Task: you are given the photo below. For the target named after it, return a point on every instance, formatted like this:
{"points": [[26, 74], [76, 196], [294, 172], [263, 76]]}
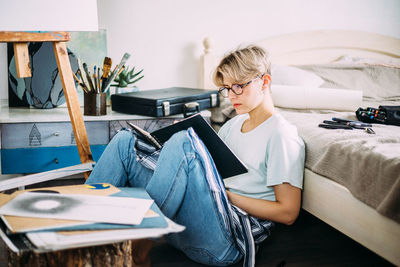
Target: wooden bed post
{"points": [[20, 40], [207, 63]]}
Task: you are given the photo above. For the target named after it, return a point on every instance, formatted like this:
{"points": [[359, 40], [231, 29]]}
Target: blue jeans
{"points": [[179, 187]]}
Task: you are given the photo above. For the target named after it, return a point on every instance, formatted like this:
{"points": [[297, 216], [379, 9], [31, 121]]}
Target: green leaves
{"points": [[127, 77]]}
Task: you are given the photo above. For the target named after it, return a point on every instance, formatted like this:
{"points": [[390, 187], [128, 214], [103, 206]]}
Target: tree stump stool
{"points": [[117, 254]]}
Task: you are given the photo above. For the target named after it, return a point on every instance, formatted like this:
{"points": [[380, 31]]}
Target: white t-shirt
{"points": [[273, 152]]}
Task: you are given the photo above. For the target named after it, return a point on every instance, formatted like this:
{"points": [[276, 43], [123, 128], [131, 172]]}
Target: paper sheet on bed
{"points": [[301, 97], [120, 210]]}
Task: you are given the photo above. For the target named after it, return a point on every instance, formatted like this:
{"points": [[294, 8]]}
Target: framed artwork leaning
{"points": [[44, 89]]}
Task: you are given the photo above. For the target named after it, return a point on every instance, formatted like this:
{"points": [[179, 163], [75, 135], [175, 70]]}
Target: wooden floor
{"points": [[308, 242]]}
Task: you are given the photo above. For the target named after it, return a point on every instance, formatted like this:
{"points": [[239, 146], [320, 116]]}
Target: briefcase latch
{"points": [[213, 100], [190, 109], [166, 108]]}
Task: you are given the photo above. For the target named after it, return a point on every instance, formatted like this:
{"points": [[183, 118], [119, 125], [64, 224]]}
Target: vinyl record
{"points": [[46, 204]]}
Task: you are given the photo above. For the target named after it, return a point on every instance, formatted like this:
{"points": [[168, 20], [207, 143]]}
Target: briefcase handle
{"points": [[190, 108]]}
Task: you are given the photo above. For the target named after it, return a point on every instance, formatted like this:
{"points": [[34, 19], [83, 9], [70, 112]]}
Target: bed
{"points": [[360, 195]]}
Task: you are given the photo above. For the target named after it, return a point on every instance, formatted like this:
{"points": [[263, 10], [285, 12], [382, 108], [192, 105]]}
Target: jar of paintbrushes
{"points": [[95, 85]]}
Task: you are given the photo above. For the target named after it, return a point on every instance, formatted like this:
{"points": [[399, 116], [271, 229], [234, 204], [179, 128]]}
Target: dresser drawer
{"points": [[40, 159], [50, 134]]}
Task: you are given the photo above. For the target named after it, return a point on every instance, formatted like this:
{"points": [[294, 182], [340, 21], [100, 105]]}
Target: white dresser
{"points": [[36, 140]]}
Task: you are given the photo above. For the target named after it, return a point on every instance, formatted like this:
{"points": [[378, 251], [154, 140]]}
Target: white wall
{"points": [[165, 37]]}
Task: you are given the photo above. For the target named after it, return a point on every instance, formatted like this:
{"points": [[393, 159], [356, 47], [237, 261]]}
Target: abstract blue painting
{"points": [[44, 88]]}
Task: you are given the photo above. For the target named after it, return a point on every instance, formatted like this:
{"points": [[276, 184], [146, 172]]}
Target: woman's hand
{"points": [[284, 210]]}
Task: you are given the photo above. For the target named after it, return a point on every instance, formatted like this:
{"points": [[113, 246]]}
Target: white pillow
{"points": [[303, 97], [346, 59], [288, 75]]}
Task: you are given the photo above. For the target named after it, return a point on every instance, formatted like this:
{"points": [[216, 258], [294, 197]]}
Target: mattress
{"points": [[367, 164]]}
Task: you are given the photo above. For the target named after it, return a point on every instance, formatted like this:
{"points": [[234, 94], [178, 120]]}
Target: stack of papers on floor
{"points": [[64, 217]]}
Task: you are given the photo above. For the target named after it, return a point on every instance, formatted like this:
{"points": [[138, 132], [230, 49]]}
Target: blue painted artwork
{"points": [[44, 89]]}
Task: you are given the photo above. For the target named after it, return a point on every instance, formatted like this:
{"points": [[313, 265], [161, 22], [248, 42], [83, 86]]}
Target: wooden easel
{"points": [[20, 42], [117, 254]]}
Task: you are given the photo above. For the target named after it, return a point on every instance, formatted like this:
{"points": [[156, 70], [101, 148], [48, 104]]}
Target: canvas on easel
{"points": [[44, 89], [20, 42]]}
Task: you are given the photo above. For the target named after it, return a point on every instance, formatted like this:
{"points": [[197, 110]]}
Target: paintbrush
{"points": [[120, 70], [95, 83], [80, 72], [83, 81], [115, 72], [85, 68], [76, 78], [98, 80], [112, 74], [106, 70], [95, 79], [79, 82]]}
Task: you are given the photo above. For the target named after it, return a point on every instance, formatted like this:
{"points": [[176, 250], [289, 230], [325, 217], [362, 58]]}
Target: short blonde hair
{"points": [[242, 65]]}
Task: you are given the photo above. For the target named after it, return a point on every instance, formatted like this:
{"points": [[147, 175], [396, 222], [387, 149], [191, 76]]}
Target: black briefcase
{"points": [[165, 102]]}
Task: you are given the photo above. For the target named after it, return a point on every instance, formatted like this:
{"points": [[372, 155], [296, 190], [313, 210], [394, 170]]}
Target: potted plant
{"points": [[125, 81]]}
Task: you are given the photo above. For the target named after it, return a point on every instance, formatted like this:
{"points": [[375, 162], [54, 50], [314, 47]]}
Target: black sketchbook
{"points": [[227, 163]]}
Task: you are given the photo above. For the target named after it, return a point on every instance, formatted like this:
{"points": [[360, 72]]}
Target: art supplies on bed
{"points": [[333, 125], [352, 123], [338, 123], [165, 102], [383, 114], [303, 97], [227, 163], [366, 116]]}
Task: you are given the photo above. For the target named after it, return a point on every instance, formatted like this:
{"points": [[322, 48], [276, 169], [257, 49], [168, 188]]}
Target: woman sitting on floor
{"points": [[224, 220]]}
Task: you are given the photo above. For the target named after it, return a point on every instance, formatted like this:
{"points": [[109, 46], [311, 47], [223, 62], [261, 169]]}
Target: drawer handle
{"points": [[56, 160], [56, 134]]}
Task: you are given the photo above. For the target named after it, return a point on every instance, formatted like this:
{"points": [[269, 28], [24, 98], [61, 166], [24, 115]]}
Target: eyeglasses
{"points": [[237, 89]]}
